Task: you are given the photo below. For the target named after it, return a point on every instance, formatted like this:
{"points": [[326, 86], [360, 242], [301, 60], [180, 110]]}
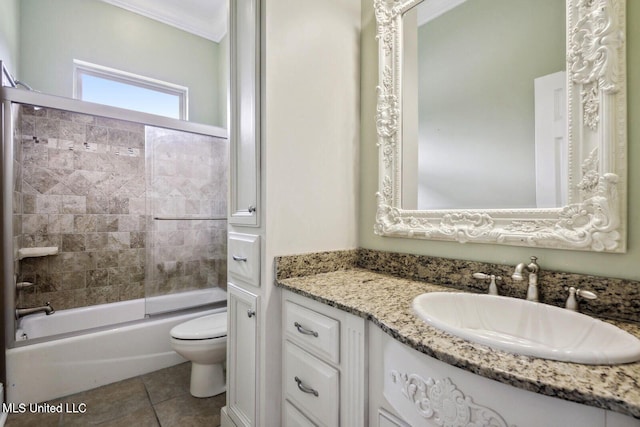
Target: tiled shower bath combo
{"points": [[127, 221], [135, 210]]}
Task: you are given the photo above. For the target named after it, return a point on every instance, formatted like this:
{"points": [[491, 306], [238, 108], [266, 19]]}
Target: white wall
{"points": [[310, 125]]}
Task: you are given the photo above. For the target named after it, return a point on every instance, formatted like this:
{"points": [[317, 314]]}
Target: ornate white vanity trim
{"points": [[418, 390], [595, 217], [442, 401]]}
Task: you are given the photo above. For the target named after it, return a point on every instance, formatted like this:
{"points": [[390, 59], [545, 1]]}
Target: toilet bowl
{"points": [[203, 341]]}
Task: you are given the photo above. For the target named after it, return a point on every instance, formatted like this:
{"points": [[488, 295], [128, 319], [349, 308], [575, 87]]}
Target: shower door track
{"points": [[189, 218]]}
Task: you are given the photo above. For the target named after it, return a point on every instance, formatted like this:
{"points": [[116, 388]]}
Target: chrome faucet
{"points": [[47, 309], [533, 269]]}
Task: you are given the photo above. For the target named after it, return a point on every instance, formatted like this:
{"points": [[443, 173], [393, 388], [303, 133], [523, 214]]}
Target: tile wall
{"points": [[81, 185], [187, 191]]}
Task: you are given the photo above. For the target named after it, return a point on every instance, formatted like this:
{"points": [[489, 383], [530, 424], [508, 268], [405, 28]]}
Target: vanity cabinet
{"points": [[409, 388], [242, 354], [324, 364]]}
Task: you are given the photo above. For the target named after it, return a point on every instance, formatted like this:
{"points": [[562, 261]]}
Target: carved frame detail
{"points": [[443, 403], [595, 218]]}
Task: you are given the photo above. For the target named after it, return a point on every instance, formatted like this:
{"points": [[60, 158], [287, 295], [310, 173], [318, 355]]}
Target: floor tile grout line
{"points": [[153, 406]]}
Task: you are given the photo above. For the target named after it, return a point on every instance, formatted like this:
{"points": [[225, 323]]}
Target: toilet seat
{"points": [[202, 328]]}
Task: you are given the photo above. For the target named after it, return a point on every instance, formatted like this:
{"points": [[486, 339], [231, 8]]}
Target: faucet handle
{"points": [[572, 300], [493, 288], [586, 294], [486, 276], [24, 285]]}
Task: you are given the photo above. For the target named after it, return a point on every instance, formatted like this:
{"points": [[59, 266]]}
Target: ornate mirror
{"points": [[503, 121]]}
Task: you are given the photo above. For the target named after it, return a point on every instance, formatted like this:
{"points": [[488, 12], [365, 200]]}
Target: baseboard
{"points": [[225, 420]]}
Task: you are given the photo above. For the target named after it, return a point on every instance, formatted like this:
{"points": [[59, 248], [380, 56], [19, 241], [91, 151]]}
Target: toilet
{"points": [[203, 341]]}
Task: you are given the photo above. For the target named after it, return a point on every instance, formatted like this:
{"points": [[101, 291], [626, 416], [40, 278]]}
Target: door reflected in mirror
{"points": [[484, 105]]}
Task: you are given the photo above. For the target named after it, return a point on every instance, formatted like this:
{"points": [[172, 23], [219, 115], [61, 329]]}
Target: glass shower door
{"points": [[187, 177]]}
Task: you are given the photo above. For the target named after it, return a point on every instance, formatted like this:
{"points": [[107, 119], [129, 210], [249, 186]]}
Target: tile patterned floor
{"points": [[157, 399]]}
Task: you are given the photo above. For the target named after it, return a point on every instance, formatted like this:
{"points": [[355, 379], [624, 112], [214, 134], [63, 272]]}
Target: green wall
{"points": [[55, 32], [612, 265], [9, 33]]}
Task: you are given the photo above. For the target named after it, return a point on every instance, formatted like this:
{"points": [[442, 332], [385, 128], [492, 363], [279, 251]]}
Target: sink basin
{"points": [[527, 328]]}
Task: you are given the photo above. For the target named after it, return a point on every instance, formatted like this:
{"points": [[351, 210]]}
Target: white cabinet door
{"points": [[245, 112], [242, 346]]}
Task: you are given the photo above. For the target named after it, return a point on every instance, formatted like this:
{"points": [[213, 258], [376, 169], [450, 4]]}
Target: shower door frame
{"points": [[7, 333], [8, 97]]}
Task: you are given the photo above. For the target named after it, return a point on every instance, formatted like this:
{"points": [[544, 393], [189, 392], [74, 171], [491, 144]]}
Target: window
{"points": [[108, 86]]}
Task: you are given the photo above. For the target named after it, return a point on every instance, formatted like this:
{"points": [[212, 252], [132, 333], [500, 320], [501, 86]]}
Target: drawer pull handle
{"points": [[302, 330], [240, 258], [304, 388], [251, 313]]}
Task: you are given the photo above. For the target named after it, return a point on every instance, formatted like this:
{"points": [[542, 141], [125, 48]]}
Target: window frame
{"points": [[81, 68]]}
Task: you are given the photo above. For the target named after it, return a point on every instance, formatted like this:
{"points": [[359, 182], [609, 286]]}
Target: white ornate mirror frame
{"points": [[595, 218]]}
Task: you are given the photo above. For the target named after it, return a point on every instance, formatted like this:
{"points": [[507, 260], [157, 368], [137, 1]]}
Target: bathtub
{"points": [[53, 358]]}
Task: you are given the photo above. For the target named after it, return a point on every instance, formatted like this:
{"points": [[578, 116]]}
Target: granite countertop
{"points": [[386, 301]]}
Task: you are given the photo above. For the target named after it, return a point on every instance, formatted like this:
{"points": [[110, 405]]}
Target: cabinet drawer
{"points": [[295, 418], [243, 257], [314, 331], [311, 385]]}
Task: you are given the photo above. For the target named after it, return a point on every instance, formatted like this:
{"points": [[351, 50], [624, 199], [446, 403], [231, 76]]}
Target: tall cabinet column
{"points": [[244, 238], [303, 167]]}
